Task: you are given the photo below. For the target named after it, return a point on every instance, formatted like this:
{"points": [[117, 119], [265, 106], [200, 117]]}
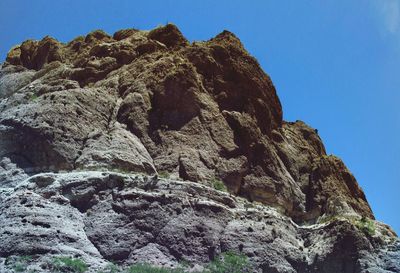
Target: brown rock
{"points": [[333, 187], [105, 111], [169, 35], [124, 33], [202, 111]]}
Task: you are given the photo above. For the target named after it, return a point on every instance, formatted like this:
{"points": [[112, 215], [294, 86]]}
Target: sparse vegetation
{"points": [[229, 262], [19, 267], [111, 268], [145, 268], [248, 205], [20, 264], [33, 97], [366, 225], [164, 174], [218, 185], [66, 264]]}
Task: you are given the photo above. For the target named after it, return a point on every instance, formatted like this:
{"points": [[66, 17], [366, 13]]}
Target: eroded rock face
{"points": [[108, 216], [151, 102], [198, 111]]}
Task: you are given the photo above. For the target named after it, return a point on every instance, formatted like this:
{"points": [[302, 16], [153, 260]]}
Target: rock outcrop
{"points": [[86, 127]]}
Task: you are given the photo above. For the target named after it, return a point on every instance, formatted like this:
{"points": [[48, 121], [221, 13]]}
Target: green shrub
{"points": [[19, 267], [366, 225], [145, 268], [163, 174], [33, 97], [21, 263], [111, 268], [66, 264], [229, 262], [218, 185]]}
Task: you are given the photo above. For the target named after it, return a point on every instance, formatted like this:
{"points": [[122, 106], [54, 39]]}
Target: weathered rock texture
{"points": [[151, 102]]}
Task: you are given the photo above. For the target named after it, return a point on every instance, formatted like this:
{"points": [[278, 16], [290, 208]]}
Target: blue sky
{"points": [[335, 64]]}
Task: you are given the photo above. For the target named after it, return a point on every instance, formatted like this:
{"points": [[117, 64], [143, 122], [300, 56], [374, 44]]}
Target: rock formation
{"points": [[111, 147]]}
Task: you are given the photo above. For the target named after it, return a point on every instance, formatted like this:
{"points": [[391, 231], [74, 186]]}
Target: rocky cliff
{"points": [[143, 147]]}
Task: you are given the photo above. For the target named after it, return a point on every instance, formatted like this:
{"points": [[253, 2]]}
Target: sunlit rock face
{"points": [[88, 128]]}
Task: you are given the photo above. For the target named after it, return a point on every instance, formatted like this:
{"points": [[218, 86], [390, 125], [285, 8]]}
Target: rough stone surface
{"points": [[126, 218], [75, 117], [10, 174]]}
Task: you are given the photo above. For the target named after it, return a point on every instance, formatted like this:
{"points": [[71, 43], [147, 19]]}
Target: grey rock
{"points": [[108, 216], [90, 130], [12, 79], [117, 149], [10, 174]]}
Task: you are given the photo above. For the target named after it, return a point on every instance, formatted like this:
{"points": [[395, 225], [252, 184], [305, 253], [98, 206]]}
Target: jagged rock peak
{"points": [[130, 139], [200, 111]]}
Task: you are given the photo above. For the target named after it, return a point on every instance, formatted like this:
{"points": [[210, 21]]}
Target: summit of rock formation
{"points": [[111, 148]]}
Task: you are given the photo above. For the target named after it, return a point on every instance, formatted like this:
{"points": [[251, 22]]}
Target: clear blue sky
{"points": [[335, 64]]}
